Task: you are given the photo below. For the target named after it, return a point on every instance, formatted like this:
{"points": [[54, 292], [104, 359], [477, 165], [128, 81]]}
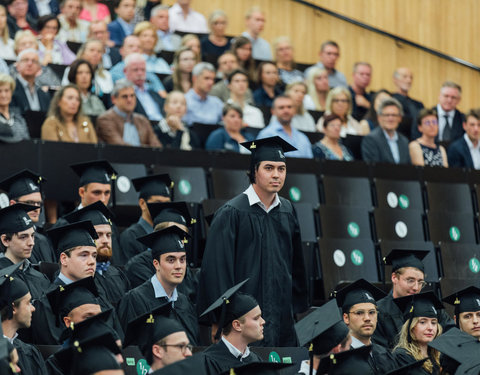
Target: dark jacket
{"points": [[375, 148], [459, 154], [19, 99]]}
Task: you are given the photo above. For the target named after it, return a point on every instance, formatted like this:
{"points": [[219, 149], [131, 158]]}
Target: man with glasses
{"points": [[408, 278], [384, 144]]}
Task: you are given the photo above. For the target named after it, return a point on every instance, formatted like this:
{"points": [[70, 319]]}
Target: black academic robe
{"points": [[218, 359], [403, 358], [42, 250], [29, 359], [114, 283], [130, 245], [142, 299], [53, 366], [246, 242], [390, 322], [381, 360]]}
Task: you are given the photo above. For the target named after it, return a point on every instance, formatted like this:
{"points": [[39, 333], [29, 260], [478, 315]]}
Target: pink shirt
{"points": [[102, 12]]}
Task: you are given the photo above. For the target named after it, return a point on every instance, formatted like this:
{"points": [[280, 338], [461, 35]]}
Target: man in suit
{"points": [[384, 143], [465, 151], [27, 95], [122, 26], [450, 119], [120, 125]]}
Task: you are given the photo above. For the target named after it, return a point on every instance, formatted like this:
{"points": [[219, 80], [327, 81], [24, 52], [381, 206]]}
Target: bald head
{"points": [[403, 78]]}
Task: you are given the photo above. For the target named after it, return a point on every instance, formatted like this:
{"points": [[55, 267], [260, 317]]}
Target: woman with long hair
{"points": [[242, 48], [13, 127], [302, 120], [317, 84], [6, 43], [181, 79], [268, 85]]}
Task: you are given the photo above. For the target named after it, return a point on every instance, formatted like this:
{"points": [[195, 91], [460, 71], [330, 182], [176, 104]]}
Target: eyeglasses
{"points": [[360, 313], [33, 61], [394, 115], [183, 347], [340, 100], [411, 282], [32, 203], [430, 122]]}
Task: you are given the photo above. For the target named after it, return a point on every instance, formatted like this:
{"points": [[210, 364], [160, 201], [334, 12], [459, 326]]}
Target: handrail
{"points": [[389, 35]]}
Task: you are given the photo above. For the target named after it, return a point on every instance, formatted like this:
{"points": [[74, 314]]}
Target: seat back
{"points": [[301, 188], [190, 182], [451, 227], [399, 225], [451, 197], [125, 193], [346, 191], [227, 183], [398, 194], [345, 222]]}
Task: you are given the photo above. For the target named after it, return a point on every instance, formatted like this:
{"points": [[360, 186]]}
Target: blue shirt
{"points": [[127, 27], [166, 38], [145, 226], [152, 82], [157, 65], [160, 290], [297, 139], [335, 78], [130, 132], [203, 111], [149, 104], [393, 144], [260, 48], [220, 140]]}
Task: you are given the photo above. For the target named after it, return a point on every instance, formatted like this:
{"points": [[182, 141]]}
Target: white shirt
{"points": [[160, 290], [254, 199], [441, 120], [474, 151], [235, 352], [392, 143], [253, 117], [356, 343], [193, 23], [64, 278], [32, 98]]}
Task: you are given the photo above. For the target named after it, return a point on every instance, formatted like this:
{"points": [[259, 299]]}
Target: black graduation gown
{"points": [[142, 299], [246, 242], [45, 328], [29, 359], [114, 283], [403, 358], [42, 250], [130, 245], [390, 322], [218, 359], [53, 366], [381, 360]]}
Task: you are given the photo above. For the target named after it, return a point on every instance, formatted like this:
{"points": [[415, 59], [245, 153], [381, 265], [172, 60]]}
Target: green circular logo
{"points": [[357, 257], [403, 201], [274, 357], [184, 187], [454, 233], [142, 367], [295, 194], [353, 229], [474, 265]]}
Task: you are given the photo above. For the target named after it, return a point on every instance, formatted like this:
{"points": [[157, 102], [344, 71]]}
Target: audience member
{"points": [[268, 82], [255, 21], [145, 32], [123, 25], [65, 121], [362, 75], [242, 48], [120, 125], [465, 151], [93, 11], [339, 102], [167, 40], [193, 42], [330, 147], [424, 150], [181, 79], [285, 62], [18, 17], [6, 43], [98, 30], [281, 125], [329, 54], [73, 29], [370, 119], [13, 127], [39, 8], [302, 120], [52, 50], [227, 63], [202, 107], [183, 18], [317, 83], [450, 119], [384, 143], [216, 43]]}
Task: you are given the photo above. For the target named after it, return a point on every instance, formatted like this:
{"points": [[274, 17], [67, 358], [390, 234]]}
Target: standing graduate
{"points": [[256, 235]]}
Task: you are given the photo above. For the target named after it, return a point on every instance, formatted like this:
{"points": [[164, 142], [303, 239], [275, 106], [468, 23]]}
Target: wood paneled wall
{"points": [[444, 25]]}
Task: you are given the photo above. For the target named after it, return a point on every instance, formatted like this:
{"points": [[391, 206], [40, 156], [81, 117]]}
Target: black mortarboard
{"points": [[81, 233], [100, 324], [464, 300], [268, 149], [349, 362], [406, 370], [457, 345], [360, 291], [11, 288], [14, 218], [176, 212], [191, 365], [96, 212], [99, 171], [258, 368], [471, 367], [168, 240], [423, 304], [399, 258], [158, 184], [22, 183]]}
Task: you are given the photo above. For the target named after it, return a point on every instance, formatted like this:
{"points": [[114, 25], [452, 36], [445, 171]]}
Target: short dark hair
{"points": [[473, 113], [9, 237], [232, 107], [228, 328], [328, 43], [327, 119], [260, 70], [424, 113], [4, 313], [235, 72], [72, 74], [251, 173], [42, 21]]}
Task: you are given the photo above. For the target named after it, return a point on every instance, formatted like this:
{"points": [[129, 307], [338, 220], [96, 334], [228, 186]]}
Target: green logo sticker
{"points": [[142, 367], [454, 233], [357, 257], [287, 360], [295, 194], [130, 361], [474, 265], [353, 229], [274, 357], [184, 187], [403, 201]]}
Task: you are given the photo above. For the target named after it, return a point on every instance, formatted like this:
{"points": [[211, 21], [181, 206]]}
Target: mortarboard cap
{"points": [[168, 240], [258, 368], [457, 345], [11, 287], [96, 212], [66, 237], [176, 212], [99, 171], [14, 218], [191, 365], [399, 258], [158, 184], [360, 291], [349, 362], [99, 324], [408, 369], [464, 300], [268, 149], [22, 183], [471, 367], [419, 305]]}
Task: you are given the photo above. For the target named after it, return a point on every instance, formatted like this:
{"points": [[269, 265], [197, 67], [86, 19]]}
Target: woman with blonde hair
{"points": [[283, 48], [147, 34], [216, 43], [193, 42], [13, 127], [317, 85], [302, 120], [184, 60], [6, 43]]}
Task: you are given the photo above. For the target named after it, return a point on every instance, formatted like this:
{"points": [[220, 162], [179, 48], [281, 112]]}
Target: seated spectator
{"points": [[148, 39], [317, 83], [72, 29], [201, 107], [193, 42], [27, 95], [93, 11], [184, 18], [171, 131], [40, 8], [465, 151], [339, 102], [181, 79], [329, 54], [65, 121], [231, 134], [6, 43], [98, 30], [123, 24], [362, 75], [330, 147], [216, 43], [384, 144], [242, 48], [81, 74], [18, 17], [238, 87], [424, 150], [52, 50], [167, 40], [283, 48], [13, 127], [371, 118], [450, 119], [302, 120], [268, 82], [255, 21], [120, 125]]}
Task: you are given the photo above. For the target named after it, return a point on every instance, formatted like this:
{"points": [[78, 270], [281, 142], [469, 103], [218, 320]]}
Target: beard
{"points": [[104, 253]]}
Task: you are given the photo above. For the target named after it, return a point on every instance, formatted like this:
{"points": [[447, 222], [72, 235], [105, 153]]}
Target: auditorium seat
{"points": [[203, 131], [125, 193], [306, 221], [399, 225], [451, 227], [227, 183], [301, 187], [451, 197], [345, 222], [398, 194], [346, 191], [34, 120]]}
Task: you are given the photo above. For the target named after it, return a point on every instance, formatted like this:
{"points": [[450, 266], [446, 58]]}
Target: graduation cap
{"points": [[191, 365], [360, 291], [349, 362], [101, 323], [99, 171], [464, 300], [268, 149], [176, 212], [457, 345], [158, 184], [405, 370], [471, 367], [22, 183], [11, 288], [96, 212], [66, 237], [399, 258], [258, 368], [168, 240], [14, 218]]}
